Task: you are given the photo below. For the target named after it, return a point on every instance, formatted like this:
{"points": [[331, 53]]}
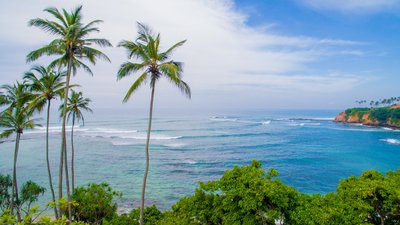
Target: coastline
{"points": [[370, 117]]}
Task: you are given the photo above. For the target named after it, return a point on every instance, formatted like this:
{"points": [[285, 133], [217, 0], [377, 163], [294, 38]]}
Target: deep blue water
{"points": [[310, 152]]}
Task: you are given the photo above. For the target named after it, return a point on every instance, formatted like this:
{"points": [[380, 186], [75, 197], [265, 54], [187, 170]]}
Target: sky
{"points": [[242, 54]]}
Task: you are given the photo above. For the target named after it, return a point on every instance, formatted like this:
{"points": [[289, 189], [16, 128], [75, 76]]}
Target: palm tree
{"points": [[76, 103], [15, 119], [49, 86], [71, 45], [152, 65]]}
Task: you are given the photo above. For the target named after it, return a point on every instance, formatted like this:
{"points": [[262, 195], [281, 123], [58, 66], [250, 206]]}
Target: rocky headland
{"points": [[381, 117]]}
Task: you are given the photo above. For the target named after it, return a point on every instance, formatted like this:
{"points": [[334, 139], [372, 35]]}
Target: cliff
{"points": [[385, 116]]}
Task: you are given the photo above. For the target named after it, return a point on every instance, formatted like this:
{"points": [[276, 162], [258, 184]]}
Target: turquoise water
{"points": [[311, 152]]}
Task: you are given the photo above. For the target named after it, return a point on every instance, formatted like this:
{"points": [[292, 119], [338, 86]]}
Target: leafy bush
{"points": [[152, 216], [94, 203], [5, 192], [29, 193], [244, 195], [380, 114]]}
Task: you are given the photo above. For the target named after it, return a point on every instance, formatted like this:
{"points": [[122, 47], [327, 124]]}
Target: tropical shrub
{"points": [[243, 195], [5, 192], [94, 202], [152, 216]]}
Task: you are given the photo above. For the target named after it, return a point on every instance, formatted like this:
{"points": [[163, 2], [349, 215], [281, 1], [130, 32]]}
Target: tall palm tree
{"points": [[152, 64], [71, 45], [48, 86], [15, 119], [76, 104]]}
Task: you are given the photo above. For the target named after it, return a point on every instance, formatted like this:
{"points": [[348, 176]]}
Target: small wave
{"points": [[229, 135], [190, 162], [296, 124], [314, 118], [266, 122], [391, 141], [175, 145], [123, 143], [107, 130], [223, 119], [144, 137]]}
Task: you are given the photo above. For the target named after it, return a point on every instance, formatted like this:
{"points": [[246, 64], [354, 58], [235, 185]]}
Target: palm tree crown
{"points": [[77, 103], [49, 85], [16, 121], [72, 42], [152, 64], [17, 96]]}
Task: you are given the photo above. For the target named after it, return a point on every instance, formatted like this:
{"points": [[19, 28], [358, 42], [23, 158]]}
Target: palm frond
{"points": [[172, 72], [140, 81], [129, 68], [54, 11], [6, 133], [99, 41], [53, 48], [165, 55], [79, 64], [92, 54], [47, 26]]}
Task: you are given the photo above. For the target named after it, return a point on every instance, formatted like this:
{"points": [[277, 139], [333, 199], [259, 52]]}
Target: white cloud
{"points": [[358, 6], [221, 49]]}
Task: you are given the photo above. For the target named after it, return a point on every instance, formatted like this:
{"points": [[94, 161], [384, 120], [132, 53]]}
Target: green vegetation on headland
{"points": [[243, 195], [385, 116]]}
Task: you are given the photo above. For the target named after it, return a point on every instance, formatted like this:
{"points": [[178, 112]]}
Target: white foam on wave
{"points": [[296, 124], [189, 161], [391, 141], [223, 119], [175, 145], [266, 122], [144, 137], [52, 129]]}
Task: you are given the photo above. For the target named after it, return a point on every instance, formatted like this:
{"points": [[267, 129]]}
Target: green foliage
{"points": [[374, 194], [380, 114], [5, 191], [244, 195], [94, 203], [30, 193], [327, 209], [7, 218], [359, 112], [152, 216]]}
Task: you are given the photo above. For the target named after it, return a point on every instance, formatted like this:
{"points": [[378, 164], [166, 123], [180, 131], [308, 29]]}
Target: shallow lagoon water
{"points": [[310, 152]]}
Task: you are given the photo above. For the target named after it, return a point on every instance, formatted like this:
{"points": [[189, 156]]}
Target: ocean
{"points": [[310, 151]]}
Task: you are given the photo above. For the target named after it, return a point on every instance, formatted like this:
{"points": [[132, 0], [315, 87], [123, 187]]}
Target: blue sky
{"points": [[247, 54]]}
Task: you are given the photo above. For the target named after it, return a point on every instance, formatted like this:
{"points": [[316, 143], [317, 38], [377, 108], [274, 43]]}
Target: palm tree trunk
{"points": [[14, 181], [68, 187], [63, 139], [53, 197], [147, 156], [73, 153]]}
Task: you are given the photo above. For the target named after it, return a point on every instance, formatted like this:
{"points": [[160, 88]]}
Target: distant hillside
{"points": [[385, 116]]}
